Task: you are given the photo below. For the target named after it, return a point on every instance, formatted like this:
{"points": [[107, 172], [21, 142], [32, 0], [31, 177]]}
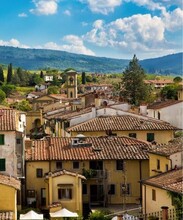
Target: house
{"points": [[159, 83], [12, 135], [157, 191], [12, 138], [112, 166], [133, 126], [69, 190], [180, 92], [164, 157], [9, 186], [170, 111]]}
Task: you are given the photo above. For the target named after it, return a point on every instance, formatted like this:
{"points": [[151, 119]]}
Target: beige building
{"points": [[143, 129], [157, 190], [8, 197], [112, 166]]}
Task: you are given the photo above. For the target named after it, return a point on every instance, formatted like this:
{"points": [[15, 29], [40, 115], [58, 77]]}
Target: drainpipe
{"points": [[140, 176], [145, 201]]}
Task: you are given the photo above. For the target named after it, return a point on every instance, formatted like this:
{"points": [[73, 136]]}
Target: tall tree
{"points": [[83, 78], [41, 74], [133, 87], [10, 73], [1, 75]]}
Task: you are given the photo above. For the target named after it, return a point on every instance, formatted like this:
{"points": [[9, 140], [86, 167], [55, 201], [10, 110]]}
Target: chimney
{"points": [[143, 109], [94, 112]]}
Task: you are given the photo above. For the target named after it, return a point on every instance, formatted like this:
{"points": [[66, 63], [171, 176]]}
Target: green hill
{"points": [[34, 59]]}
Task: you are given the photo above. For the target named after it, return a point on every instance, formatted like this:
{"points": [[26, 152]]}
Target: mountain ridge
{"points": [[35, 59]]}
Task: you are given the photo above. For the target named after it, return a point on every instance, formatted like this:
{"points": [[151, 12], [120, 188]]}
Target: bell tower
{"points": [[72, 84]]}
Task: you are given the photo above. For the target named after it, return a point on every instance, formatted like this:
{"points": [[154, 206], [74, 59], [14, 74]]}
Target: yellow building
{"points": [[8, 197], [143, 129], [157, 190], [113, 167], [164, 157]]}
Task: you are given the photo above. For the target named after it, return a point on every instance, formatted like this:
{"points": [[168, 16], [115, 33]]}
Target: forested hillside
{"points": [[34, 59]]}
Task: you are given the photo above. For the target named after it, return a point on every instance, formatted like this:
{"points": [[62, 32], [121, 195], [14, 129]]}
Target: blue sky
{"points": [[107, 28]]}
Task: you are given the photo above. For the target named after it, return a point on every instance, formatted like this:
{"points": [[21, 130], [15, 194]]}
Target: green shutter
{"points": [[2, 165], [1, 139]]}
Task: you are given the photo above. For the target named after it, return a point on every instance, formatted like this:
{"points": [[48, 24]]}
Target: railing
{"points": [[95, 174], [172, 214]]}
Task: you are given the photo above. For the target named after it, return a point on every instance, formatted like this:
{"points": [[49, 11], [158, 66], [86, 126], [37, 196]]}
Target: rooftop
{"points": [[164, 104], [174, 146], [92, 148], [9, 181], [7, 120], [121, 123], [171, 181]]}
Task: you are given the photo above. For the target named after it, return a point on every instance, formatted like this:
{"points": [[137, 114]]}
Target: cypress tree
{"points": [[1, 75], [83, 78], [10, 73]]}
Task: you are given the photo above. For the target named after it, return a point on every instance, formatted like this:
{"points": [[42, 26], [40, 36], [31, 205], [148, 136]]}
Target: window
{"points": [[2, 164], [1, 139], [166, 167], [159, 115], [84, 189], [111, 189], [119, 165], [158, 164], [64, 193], [76, 165], [31, 193], [133, 135], [58, 165], [125, 189], [39, 173], [18, 141], [150, 137], [153, 195]]}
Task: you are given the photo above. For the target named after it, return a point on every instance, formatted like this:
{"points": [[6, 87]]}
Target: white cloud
{"points": [[13, 43], [139, 32], [44, 7], [173, 20], [84, 24], [22, 15], [67, 12], [74, 44], [102, 6]]}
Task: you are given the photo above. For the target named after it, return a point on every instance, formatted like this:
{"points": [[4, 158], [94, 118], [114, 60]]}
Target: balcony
{"points": [[95, 174]]}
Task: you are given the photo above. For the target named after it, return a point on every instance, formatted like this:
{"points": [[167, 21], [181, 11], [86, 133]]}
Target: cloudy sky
{"points": [[108, 28]]}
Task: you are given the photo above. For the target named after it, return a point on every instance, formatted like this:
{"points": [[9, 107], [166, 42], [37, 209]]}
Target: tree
{"points": [[23, 106], [8, 89], [133, 87], [10, 73], [83, 78], [2, 96], [177, 79], [53, 90], [41, 74], [169, 92], [1, 75]]}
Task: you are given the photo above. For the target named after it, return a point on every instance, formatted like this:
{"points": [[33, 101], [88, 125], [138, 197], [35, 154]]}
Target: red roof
{"points": [[7, 120], [121, 123], [92, 148]]}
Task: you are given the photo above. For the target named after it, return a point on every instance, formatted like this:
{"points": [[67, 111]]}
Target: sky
{"points": [[103, 28]]}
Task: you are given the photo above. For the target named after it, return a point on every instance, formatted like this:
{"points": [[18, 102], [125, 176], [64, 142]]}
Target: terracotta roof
{"points": [[172, 147], [63, 172], [6, 215], [7, 120], [171, 181], [121, 123], [9, 181], [68, 114], [92, 148], [164, 104], [159, 81]]}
